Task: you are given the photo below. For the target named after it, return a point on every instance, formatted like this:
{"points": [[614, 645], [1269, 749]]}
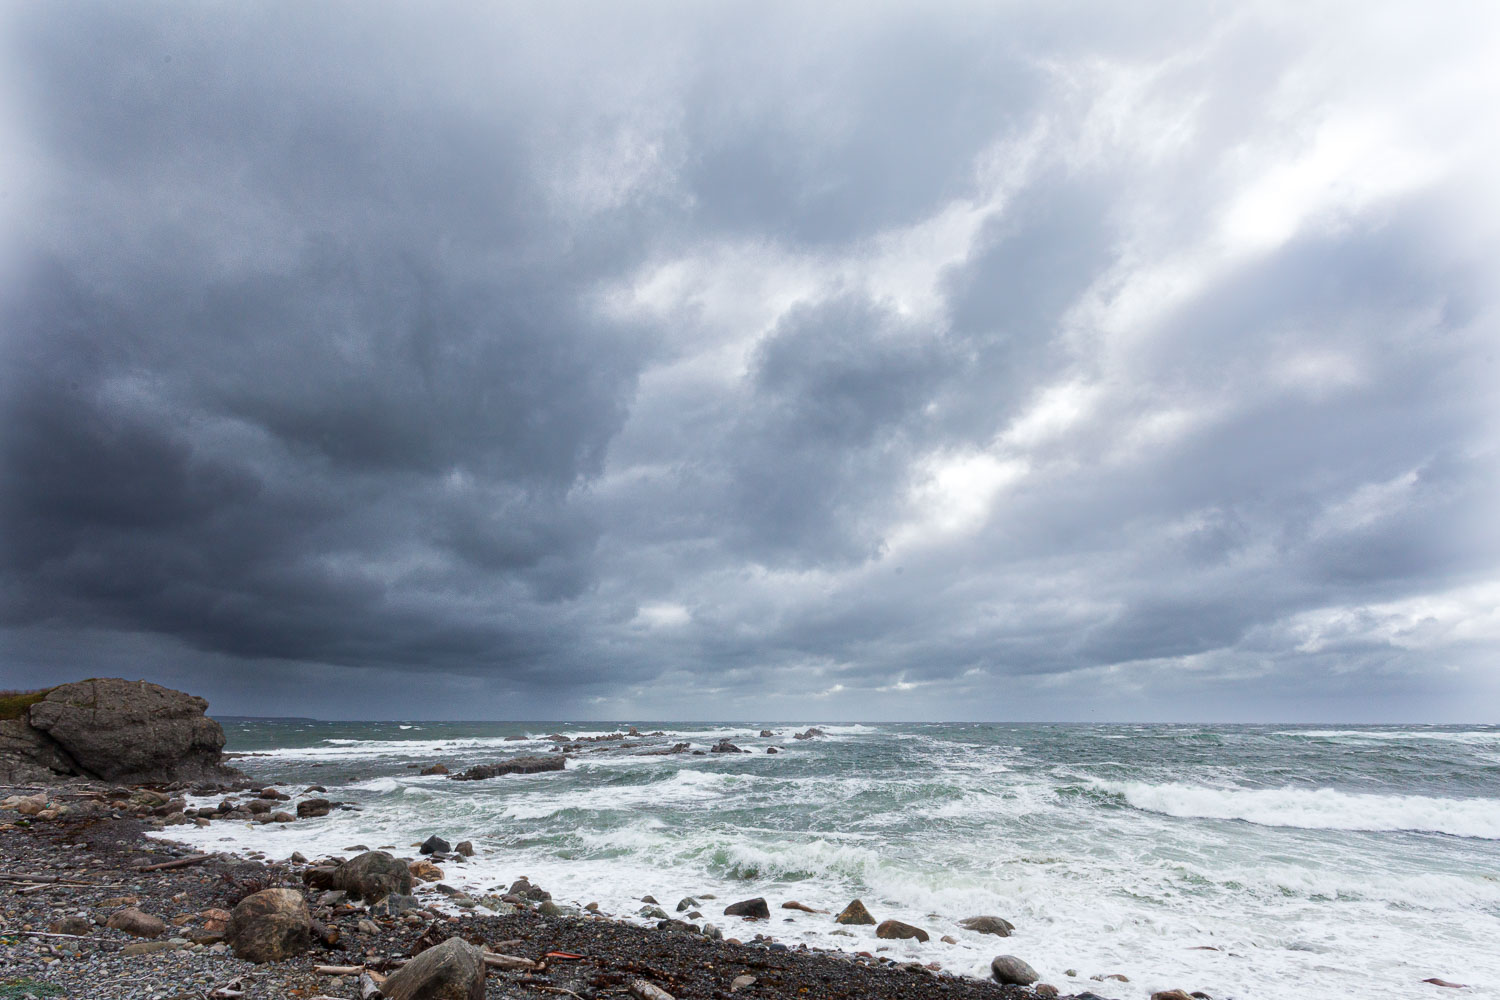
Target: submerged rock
{"points": [[724, 746], [998, 926], [665, 751], [809, 733]]}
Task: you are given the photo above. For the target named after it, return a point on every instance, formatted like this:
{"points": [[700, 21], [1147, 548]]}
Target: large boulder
{"points": [[1011, 971], [270, 926], [516, 765], [123, 731], [372, 875], [453, 970]]}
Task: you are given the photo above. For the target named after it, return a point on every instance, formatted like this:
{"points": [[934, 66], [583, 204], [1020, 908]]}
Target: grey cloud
{"points": [[333, 358]]}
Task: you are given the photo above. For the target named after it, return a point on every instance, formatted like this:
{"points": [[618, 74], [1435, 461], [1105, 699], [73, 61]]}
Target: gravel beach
{"points": [[87, 911]]}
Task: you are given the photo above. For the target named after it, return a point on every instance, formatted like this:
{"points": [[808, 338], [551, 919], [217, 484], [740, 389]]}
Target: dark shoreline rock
{"points": [[756, 909]]}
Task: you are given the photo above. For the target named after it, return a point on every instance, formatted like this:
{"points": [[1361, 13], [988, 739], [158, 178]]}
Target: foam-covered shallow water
{"points": [[1248, 862]]}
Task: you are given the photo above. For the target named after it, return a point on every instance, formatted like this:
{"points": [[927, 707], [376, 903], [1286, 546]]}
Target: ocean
{"points": [[1244, 861]]}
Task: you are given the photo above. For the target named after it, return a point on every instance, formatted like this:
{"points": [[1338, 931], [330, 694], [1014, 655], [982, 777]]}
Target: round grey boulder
{"points": [[1011, 971]]}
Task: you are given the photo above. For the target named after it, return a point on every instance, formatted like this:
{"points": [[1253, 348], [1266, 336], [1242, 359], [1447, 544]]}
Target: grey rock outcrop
{"points": [[453, 970], [115, 730], [270, 926]]}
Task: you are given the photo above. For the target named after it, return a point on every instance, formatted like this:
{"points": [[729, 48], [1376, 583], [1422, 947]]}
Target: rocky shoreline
{"points": [[92, 908]]}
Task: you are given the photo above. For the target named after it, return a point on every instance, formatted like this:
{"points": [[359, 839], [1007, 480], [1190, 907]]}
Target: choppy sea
{"points": [[1244, 861]]}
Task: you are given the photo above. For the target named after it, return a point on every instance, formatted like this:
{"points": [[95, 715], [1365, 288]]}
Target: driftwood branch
{"points": [[191, 859], [498, 961], [65, 937]]}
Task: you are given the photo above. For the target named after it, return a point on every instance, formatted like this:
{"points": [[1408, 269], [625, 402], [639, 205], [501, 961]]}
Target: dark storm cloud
{"points": [[749, 360]]}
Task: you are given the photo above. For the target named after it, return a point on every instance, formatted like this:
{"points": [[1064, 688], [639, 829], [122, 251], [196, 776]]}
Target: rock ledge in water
{"points": [[517, 765]]}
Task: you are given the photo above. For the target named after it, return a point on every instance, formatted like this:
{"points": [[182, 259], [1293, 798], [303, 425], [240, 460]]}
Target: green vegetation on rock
{"points": [[13, 705]]}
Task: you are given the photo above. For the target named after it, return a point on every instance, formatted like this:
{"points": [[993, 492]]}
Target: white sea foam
{"points": [[1317, 809]]}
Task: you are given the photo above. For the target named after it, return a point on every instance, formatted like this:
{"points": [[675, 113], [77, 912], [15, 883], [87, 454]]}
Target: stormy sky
{"points": [[754, 361]]}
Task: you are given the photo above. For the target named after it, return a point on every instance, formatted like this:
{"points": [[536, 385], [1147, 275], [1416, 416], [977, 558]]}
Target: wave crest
{"points": [[1317, 809]]}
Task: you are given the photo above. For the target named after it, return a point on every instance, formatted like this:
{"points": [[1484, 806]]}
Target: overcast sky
{"points": [[755, 361]]}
